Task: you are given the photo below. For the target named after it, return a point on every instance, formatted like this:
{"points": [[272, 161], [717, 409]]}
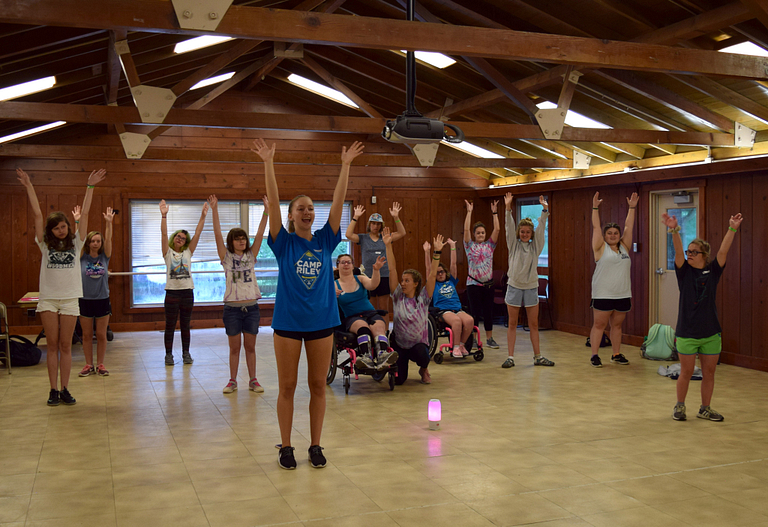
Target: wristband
{"points": [[164, 216], [545, 210], [732, 229], [354, 219], [77, 221], [495, 213], [438, 252], [435, 257], [453, 248], [595, 208], [671, 231], [398, 220], [91, 186]]}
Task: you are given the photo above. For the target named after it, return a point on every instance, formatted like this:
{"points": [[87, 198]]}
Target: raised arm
{"points": [[351, 234], [427, 256], [674, 228], [541, 228], [597, 231], [496, 226], [256, 247], [437, 245], [221, 248], [454, 269], [108, 217], [629, 223], [267, 155], [373, 282], [95, 177], [395, 212], [340, 193], [509, 220], [164, 226], [725, 245], [23, 178], [198, 229], [394, 280], [467, 224]]}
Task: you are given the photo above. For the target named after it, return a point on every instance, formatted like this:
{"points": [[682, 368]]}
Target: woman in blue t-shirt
{"points": [[305, 303], [698, 327], [446, 301]]}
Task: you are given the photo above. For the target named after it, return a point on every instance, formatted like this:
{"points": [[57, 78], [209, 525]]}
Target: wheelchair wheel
{"points": [[334, 363], [438, 358], [432, 330], [479, 355], [378, 376], [391, 381], [346, 384]]}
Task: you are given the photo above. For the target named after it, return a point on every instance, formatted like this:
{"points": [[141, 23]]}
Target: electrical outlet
{"points": [[373, 200]]}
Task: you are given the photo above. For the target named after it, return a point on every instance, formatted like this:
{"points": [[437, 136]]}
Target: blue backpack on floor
{"points": [[659, 344]]}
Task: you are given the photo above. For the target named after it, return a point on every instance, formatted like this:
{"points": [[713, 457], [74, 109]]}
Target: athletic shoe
{"points": [[456, 353], [285, 458], [492, 344], [101, 370], [66, 397], [679, 412], [508, 363], [707, 412], [230, 387], [169, 359], [53, 398], [254, 386], [541, 360], [316, 457], [187, 358], [386, 359], [364, 362], [87, 370], [596, 362], [619, 359]]}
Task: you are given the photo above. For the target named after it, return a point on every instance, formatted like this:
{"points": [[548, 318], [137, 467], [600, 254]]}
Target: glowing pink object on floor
{"points": [[434, 414]]}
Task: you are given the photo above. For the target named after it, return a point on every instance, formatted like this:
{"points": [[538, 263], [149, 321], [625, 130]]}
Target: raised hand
{"points": [[213, 201], [669, 221], [735, 221], [379, 263], [632, 200], [23, 177], [386, 236], [109, 215], [508, 200], [395, 210], [347, 156], [97, 176], [596, 201], [265, 152], [265, 200], [470, 206], [163, 207], [494, 206], [451, 242], [438, 242], [205, 208], [543, 202], [77, 212], [359, 211], [427, 246]]}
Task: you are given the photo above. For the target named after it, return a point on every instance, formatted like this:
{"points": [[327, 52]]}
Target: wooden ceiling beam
{"points": [[236, 51], [506, 87], [76, 113], [340, 30], [725, 95], [759, 8], [113, 66], [718, 18], [335, 83]]}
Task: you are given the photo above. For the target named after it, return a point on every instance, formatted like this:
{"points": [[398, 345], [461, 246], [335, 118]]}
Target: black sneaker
{"points": [[285, 458], [187, 358], [596, 362], [53, 398], [169, 359], [66, 397], [316, 457], [619, 359]]}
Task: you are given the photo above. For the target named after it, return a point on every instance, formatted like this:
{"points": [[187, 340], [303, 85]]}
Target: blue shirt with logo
{"points": [[306, 298], [445, 297]]}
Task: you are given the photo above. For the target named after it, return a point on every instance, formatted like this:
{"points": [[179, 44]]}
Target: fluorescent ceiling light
{"points": [[437, 60], [746, 48], [198, 43], [31, 131], [474, 150], [26, 88], [213, 80], [321, 89], [574, 119]]}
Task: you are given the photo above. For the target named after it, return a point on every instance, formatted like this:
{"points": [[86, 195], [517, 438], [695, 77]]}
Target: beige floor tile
{"points": [[717, 479], [590, 499], [88, 520], [250, 513], [190, 516], [223, 468], [145, 456], [19, 465], [13, 509], [613, 469], [387, 474], [235, 489], [306, 480], [548, 477], [370, 519], [217, 450], [86, 481], [406, 495], [140, 475], [71, 504], [329, 504], [16, 485], [519, 510], [145, 497], [711, 511], [451, 514], [476, 487], [637, 517], [753, 499], [658, 489]]}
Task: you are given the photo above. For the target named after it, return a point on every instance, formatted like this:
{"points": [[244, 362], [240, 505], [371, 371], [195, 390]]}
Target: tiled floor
{"points": [[564, 446]]}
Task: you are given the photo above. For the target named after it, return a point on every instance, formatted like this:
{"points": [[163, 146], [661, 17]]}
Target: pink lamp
{"points": [[434, 414]]}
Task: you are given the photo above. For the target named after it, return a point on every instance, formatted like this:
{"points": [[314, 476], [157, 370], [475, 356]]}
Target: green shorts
{"points": [[706, 346]]}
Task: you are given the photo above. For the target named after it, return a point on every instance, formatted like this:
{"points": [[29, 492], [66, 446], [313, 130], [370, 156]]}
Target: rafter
{"points": [[759, 8], [340, 86], [725, 95]]}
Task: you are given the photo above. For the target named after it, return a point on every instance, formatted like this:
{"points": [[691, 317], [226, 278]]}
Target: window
{"points": [[530, 208], [148, 285], [686, 218]]}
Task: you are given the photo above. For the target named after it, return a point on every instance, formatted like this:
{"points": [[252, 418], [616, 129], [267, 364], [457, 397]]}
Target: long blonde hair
{"points": [[525, 222]]}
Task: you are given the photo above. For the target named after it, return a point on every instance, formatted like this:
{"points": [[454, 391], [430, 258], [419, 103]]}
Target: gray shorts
{"points": [[521, 297]]}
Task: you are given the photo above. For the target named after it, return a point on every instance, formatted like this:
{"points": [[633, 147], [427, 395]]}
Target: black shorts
{"points": [[370, 318], [305, 335], [98, 308], [382, 289], [622, 305]]}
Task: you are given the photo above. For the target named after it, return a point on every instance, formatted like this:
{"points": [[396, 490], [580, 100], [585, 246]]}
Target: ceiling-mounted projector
{"points": [[418, 130]]}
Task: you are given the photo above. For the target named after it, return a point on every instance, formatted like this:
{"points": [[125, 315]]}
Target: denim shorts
{"points": [[241, 320], [61, 306], [521, 297]]}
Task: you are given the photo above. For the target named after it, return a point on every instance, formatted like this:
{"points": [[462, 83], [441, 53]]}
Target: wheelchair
{"points": [[345, 342], [438, 329]]}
